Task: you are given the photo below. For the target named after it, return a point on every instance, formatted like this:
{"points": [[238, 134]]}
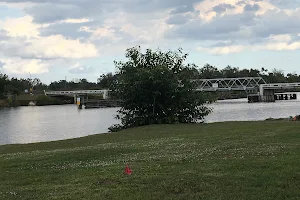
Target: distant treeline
{"points": [[14, 86], [274, 76]]}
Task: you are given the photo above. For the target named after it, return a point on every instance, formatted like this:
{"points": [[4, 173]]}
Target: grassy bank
{"points": [[40, 99], [25, 99], [244, 160]]}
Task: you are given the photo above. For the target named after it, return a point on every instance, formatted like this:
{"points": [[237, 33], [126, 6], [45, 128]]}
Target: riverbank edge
{"points": [[93, 139], [47, 101], [38, 100]]}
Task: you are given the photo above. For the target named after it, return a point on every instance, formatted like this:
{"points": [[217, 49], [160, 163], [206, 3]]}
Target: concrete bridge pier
{"points": [[105, 94], [80, 100], [268, 96], [75, 99]]}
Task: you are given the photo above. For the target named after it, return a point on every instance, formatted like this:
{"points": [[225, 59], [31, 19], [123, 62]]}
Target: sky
{"points": [[68, 39]]}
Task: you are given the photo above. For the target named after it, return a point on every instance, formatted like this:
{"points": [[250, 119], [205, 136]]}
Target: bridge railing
{"points": [[76, 92]]}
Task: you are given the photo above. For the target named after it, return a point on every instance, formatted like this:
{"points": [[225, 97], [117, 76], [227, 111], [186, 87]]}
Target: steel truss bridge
{"points": [[229, 84]]}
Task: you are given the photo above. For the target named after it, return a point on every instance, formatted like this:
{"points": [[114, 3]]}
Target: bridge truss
{"points": [[229, 84]]}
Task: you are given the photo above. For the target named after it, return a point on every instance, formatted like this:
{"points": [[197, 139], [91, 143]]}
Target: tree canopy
{"points": [[156, 88]]}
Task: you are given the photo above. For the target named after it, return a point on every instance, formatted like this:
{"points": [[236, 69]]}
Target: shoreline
{"points": [[271, 120]]}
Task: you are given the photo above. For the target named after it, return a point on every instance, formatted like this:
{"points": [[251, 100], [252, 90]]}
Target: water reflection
{"points": [[35, 124], [240, 110]]}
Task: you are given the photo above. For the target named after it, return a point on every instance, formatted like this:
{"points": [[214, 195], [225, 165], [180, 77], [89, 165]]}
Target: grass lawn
{"points": [[232, 160]]}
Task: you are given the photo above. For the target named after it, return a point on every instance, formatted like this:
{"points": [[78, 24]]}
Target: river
{"points": [[49, 123]]}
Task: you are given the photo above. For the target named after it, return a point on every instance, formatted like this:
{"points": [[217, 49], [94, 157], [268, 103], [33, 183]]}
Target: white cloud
{"points": [[57, 46], [52, 47], [100, 32], [265, 6], [279, 46], [227, 50], [19, 5], [223, 50], [206, 6], [21, 66], [281, 38], [20, 27], [80, 69], [75, 21], [275, 43], [26, 51]]}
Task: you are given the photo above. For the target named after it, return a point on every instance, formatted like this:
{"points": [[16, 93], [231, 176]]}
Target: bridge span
{"points": [[264, 92], [78, 93], [229, 84]]}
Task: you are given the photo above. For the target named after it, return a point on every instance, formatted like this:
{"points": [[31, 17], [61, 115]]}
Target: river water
{"points": [[49, 123]]}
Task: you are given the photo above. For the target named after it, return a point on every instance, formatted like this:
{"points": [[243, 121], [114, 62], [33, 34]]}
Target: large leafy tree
{"points": [[156, 87]]}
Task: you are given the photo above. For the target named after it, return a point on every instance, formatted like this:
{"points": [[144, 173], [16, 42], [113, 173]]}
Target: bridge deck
{"points": [[75, 92], [280, 85], [277, 86]]}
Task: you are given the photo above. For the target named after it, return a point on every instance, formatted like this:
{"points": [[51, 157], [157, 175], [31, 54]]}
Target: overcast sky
{"points": [[54, 39]]}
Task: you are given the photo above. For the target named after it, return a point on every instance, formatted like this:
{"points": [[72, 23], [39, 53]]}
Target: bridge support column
{"points": [[80, 101], [75, 99], [268, 96], [105, 94]]}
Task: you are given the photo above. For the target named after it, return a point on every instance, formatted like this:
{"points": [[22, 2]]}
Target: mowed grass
{"points": [[232, 160]]}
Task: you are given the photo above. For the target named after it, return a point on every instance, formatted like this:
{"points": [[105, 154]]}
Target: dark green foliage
{"points": [[3, 82], [106, 81], [274, 76], [81, 84], [4, 103], [156, 88], [46, 100]]}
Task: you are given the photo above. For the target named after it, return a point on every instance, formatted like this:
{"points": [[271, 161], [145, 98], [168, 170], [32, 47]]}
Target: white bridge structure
{"points": [[77, 93], [229, 84], [265, 92], [276, 86]]}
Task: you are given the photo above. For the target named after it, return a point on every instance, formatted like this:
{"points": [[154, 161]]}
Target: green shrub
{"points": [[3, 103], [46, 100]]}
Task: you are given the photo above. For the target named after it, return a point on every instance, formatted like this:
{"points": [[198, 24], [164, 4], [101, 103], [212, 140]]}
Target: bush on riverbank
{"points": [[231, 160], [3, 103], [24, 100], [155, 87], [44, 100]]}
